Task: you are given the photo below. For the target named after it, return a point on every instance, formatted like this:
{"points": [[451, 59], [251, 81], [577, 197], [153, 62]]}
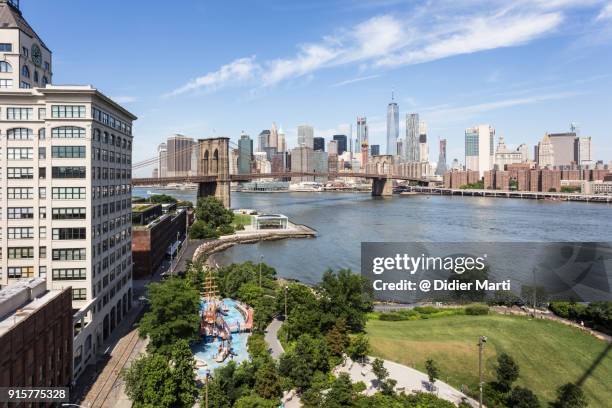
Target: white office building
{"points": [[305, 136], [479, 148], [65, 164]]}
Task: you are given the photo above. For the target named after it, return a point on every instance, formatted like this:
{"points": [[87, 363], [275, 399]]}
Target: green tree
{"points": [[570, 396], [507, 371], [173, 314], [309, 356], [200, 230], [379, 370], [359, 347], [340, 393], [211, 211], [162, 199], [183, 373], [523, 398], [267, 381], [432, 370], [255, 401], [149, 382]]}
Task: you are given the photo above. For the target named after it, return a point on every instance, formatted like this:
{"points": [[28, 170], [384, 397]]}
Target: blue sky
{"points": [[216, 68]]}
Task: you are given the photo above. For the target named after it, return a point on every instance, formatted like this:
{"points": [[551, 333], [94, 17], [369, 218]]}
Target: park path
{"points": [[408, 380], [271, 337]]}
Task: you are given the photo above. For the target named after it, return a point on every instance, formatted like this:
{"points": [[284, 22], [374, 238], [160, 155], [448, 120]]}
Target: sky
{"points": [[206, 69]]}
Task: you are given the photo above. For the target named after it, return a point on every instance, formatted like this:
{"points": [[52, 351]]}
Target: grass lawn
{"points": [[549, 354], [241, 219]]}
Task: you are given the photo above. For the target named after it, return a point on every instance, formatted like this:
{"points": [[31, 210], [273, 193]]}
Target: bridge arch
{"points": [[205, 164]]}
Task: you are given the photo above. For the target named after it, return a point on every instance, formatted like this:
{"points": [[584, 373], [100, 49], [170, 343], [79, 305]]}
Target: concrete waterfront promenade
{"points": [[249, 236]]}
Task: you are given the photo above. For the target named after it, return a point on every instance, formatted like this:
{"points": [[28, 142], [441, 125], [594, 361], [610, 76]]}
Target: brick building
{"points": [[36, 332]]}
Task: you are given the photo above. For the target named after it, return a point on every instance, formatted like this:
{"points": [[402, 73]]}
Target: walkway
{"points": [[408, 380], [271, 337]]}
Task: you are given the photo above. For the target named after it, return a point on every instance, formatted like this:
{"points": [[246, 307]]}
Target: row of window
{"points": [[111, 121], [68, 111], [58, 193], [23, 213], [69, 274], [69, 254], [68, 172]]}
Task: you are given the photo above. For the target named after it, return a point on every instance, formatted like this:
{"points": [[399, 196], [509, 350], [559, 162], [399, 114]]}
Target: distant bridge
{"points": [[213, 177]]}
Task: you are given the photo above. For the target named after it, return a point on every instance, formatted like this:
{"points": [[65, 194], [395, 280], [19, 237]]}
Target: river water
{"points": [[344, 220]]}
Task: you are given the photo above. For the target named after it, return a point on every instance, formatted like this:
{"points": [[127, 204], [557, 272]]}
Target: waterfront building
{"points": [[423, 145], [441, 167], [362, 134], [392, 126], [282, 140], [332, 163], [302, 161], [245, 154], [162, 160], [320, 165], [584, 151], [263, 140], [459, 178], [233, 155], [156, 233], [179, 155], [563, 148], [332, 147], [319, 144], [479, 145], [280, 162], [342, 143], [456, 165], [261, 163], [269, 153], [505, 156], [400, 147], [306, 136], [36, 330], [412, 138], [375, 150], [273, 139], [545, 152]]}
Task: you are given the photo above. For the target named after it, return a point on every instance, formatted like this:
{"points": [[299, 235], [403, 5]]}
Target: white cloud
{"points": [[233, 73], [124, 99], [353, 80], [605, 13], [310, 58]]}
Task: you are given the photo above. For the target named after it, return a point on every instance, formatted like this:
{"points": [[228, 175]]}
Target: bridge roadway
{"points": [[538, 195], [247, 177]]}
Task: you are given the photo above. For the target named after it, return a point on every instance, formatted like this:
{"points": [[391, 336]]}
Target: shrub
{"points": [[201, 230], [392, 317], [477, 310], [226, 229], [426, 309]]}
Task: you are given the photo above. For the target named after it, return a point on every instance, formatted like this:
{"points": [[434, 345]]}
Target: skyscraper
{"points": [[162, 160], [441, 167], [263, 140], [392, 126], [545, 152], [342, 143], [282, 144], [563, 148], [319, 144], [179, 155], [584, 153], [423, 145], [332, 147], [375, 150], [306, 136], [362, 133], [273, 139], [412, 138], [245, 154], [302, 161], [479, 148]]}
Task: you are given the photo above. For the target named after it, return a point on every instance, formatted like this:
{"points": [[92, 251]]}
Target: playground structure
{"points": [[212, 323]]}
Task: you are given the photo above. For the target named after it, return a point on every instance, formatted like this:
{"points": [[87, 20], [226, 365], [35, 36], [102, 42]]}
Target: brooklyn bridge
{"points": [[214, 179]]}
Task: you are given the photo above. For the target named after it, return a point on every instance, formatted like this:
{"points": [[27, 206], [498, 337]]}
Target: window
{"points": [[47, 66], [42, 134], [68, 132], [5, 67], [6, 47], [42, 153], [68, 111], [42, 192], [42, 113], [68, 193], [42, 252], [19, 113], [79, 294], [25, 52], [42, 271], [21, 232], [21, 272], [20, 173], [25, 71], [68, 152], [42, 213], [36, 76], [45, 81], [20, 193], [69, 254], [19, 153], [20, 134], [69, 274], [21, 253], [24, 85], [6, 83], [64, 172], [68, 213], [20, 213], [42, 232], [42, 173], [68, 233]]}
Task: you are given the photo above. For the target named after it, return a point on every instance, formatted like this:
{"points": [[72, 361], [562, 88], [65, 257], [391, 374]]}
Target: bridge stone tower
{"points": [[213, 161], [383, 165]]}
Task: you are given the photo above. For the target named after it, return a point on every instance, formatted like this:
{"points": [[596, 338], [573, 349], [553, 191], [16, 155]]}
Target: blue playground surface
{"points": [[206, 350]]}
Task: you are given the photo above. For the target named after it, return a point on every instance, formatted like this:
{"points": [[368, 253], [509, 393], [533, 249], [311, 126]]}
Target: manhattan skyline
{"points": [[525, 69]]}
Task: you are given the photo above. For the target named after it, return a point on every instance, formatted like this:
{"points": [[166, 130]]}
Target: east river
{"points": [[344, 220]]}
